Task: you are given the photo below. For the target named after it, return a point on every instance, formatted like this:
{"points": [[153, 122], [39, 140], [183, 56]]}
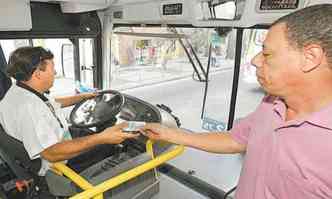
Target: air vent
{"points": [[118, 14], [172, 9]]}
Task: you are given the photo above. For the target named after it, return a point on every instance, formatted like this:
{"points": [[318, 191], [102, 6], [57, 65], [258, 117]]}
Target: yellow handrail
{"points": [[73, 176], [96, 192], [115, 181]]}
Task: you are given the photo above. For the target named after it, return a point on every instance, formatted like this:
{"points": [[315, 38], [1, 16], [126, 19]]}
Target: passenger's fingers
{"points": [[151, 134]]}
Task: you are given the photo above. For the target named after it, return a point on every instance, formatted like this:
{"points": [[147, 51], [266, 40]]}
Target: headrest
{"points": [[5, 84]]}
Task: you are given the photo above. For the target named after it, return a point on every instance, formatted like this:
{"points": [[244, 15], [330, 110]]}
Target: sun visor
{"points": [[15, 15], [84, 6]]}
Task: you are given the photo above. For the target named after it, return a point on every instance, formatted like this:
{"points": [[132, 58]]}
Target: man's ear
{"points": [[313, 57], [36, 74]]}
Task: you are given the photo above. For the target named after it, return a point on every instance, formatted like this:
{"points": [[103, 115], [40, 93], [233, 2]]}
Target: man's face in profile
{"points": [[47, 76], [278, 63]]}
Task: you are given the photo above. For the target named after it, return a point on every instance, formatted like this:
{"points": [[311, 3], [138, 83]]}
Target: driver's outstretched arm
{"points": [[71, 148], [71, 100]]}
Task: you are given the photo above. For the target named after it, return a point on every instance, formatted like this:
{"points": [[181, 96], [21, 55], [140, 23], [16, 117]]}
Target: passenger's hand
{"points": [[156, 131], [115, 135]]}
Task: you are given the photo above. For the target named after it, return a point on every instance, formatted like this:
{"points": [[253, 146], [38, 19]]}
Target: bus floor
{"points": [[171, 189], [220, 171]]}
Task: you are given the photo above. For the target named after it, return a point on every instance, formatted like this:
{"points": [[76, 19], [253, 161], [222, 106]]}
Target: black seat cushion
{"points": [[5, 84]]}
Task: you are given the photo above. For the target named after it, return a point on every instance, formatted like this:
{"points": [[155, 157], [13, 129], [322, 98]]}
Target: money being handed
{"points": [[133, 126]]}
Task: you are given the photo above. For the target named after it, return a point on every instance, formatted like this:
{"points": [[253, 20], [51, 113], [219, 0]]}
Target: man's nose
{"points": [[257, 60]]}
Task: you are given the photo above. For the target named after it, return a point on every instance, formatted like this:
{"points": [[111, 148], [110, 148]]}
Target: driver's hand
{"points": [[115, 135], [88, 95]]}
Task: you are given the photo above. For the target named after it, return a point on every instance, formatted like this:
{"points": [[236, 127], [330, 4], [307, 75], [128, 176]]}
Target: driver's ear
{"points": [[36, 74], [313, 57]]}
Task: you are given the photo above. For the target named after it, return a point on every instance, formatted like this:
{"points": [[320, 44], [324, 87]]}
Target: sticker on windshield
{"points": [[213, 125]]}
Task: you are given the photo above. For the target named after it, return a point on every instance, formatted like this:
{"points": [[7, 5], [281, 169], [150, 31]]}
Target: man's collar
{"points": [[26, 87], [322, 118]]}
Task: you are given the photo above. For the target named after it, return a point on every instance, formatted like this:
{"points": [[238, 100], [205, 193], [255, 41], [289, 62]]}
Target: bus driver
{"points": [[36, 120]]}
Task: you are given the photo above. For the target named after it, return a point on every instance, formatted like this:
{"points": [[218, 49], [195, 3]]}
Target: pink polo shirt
{"points": [[285, 159]]}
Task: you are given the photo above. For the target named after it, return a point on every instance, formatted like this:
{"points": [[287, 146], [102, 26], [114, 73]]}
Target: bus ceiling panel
{"points": [[78, 6], [246, 13], [15, 15], [204, 13], [150, 12], [49, 21]]}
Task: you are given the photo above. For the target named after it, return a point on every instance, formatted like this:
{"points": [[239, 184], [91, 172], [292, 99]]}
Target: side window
{"points": [[249, 91], [86, 62], [9, 45], [64, 64]]}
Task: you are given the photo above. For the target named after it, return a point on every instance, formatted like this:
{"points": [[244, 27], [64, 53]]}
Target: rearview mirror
{"points": [[225, 10]]}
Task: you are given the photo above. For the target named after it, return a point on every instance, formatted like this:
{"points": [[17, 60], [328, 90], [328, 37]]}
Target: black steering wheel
{"points": [[97, 111]]}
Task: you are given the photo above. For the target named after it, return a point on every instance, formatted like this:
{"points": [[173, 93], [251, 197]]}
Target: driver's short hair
{"points": [[25, 60], [311, 25]]}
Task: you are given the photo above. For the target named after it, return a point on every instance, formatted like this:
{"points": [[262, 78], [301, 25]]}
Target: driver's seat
{"points": [[12, 151], [8, 144]]}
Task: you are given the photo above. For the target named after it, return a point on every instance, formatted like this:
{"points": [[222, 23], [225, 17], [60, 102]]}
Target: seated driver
{"points": [[36, 120]]}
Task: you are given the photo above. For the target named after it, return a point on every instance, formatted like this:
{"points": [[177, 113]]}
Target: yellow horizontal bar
{"points": [[73, 176], [115, 181]]}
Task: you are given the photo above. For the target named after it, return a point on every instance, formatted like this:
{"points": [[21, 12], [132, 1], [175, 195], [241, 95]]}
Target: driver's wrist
{"points": [[100, 137], [88, 95]]}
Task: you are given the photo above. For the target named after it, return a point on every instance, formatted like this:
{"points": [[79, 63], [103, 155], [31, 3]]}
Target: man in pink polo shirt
{"points": [[288, 138]]}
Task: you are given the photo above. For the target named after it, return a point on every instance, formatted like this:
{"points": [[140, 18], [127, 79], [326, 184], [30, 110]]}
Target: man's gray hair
{"points": [[311, 25]]}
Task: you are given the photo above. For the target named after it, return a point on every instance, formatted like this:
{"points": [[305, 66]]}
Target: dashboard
{"points": [[135, 109]]}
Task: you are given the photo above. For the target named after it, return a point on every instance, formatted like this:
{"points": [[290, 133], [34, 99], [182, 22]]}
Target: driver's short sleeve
{"points": [[27, 118], [41, 129]]}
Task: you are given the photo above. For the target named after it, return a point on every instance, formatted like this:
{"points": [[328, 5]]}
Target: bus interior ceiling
{"points": [[87, 31]]}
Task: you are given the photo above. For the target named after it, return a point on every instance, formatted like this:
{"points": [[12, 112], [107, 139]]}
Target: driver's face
{"points": [[48, 75]]}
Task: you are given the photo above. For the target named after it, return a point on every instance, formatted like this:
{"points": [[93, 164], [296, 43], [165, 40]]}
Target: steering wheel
{"points": [[98, 110]]}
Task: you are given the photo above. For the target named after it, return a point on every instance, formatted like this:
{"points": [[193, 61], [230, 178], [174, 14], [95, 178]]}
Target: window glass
{"points": [[9, 45], [249, 91], [152, 64], [64, 82], [86, 61], [152, 55]]}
